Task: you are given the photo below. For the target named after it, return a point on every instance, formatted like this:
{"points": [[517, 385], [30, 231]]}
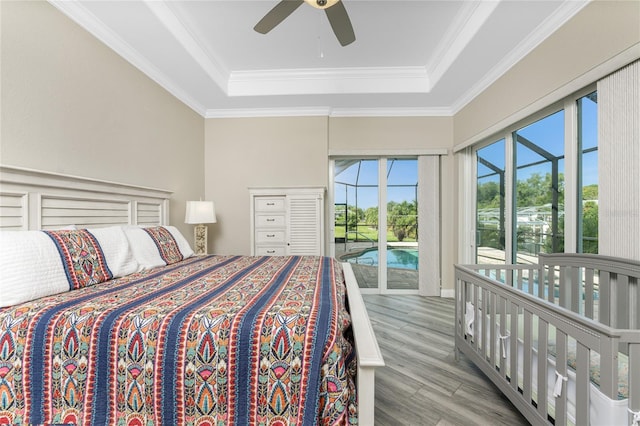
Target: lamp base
{"points": [[200, 239]]}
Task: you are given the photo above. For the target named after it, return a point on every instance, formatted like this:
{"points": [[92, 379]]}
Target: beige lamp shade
{"points": [[200, 212]]}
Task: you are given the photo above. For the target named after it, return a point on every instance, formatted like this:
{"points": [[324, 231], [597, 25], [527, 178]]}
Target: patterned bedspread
{"points": [[210, 340]]}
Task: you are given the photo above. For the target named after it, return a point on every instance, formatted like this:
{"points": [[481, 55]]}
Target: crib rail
{"points": [[607, 289], [576, 310]]}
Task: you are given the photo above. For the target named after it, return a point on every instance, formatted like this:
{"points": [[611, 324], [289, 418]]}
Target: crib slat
{"points": [[565, 288], [543, 339], [609, 368], [605, 298], [476, 316], [502, 310], [588, 293], [622, 294], [486, 337], [575, 286], [519, 279], [561, 368], [526, 364], [492, 327], [582, 385], [634, 303], [513, 343], [634, 378], [551, 282]]}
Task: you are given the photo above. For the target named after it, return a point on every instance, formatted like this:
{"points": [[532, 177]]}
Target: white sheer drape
{"points": [[619, 163]]}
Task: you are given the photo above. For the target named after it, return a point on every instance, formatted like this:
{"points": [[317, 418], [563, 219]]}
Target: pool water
{"points": [[403, 258]]}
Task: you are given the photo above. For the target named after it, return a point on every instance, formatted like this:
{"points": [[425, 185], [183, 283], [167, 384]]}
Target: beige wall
{"points": [[389, 133], [600, 31], [293, 151], [254, 152], [71, 105]]}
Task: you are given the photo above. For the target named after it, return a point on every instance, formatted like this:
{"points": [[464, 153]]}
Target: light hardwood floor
{"points": [[422, 383]]}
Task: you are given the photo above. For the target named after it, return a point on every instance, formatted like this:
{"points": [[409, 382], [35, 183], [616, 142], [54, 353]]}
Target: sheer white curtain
{"points": [[619, 163]]}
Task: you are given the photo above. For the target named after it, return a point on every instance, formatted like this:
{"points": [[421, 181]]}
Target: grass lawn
{"points": [[366, 233]]}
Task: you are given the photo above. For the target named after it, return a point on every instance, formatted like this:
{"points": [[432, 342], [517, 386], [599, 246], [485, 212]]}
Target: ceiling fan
{"points": [[336, 13]]}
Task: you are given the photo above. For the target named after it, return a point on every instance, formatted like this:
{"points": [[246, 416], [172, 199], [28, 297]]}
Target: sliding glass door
{"points": [[380, 243], [402, 224], [356, 209]]}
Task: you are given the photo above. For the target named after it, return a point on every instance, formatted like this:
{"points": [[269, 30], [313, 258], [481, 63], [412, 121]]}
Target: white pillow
{"points": [[116, 249], [183, 244], [30, 267], [145, 249]]}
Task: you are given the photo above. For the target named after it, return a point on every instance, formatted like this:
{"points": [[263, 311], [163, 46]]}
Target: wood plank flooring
{"points": [[422, 384]]}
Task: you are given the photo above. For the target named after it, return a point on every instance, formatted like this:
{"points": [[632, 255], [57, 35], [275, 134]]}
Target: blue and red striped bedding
{"points": [[205, 341]]}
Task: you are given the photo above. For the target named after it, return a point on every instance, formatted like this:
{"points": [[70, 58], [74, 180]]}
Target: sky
{"points": [[400, 172], [547, 133]]}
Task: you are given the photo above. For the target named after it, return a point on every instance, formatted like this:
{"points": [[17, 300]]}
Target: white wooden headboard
{"points": [[32, 199]]}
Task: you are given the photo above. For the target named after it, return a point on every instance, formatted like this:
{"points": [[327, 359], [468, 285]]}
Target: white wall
{"points": [[71, 105]]}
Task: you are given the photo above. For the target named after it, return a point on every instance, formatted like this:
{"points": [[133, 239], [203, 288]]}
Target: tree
{"points": [[488, 195], [590, 227], [354, 215], [590, 192], [371, 216], [537, 190], [403, 219]]}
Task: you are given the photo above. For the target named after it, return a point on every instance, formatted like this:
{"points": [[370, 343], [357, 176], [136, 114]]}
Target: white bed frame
{"points": [[32, 199]]}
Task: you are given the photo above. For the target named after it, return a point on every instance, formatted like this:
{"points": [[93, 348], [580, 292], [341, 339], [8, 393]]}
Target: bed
{"points": [[560, 338], [122, 324]]}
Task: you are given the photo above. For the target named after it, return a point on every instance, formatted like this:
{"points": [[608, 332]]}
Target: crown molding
{"points": [[466, 25], [565, 12], [212, 66], [268, 112], [319, 81], [327, 112], [391, 112], [87, 20]]}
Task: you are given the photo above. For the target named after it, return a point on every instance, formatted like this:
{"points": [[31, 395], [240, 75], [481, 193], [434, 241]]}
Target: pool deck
{"points": [[397, 279], [367, 275]]}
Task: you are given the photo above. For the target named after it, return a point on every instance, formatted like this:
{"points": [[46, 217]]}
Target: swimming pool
{"points": [[403, 258]]}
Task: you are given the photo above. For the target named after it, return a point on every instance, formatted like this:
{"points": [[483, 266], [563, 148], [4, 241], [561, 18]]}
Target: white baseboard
{"points": [[448, 293]]}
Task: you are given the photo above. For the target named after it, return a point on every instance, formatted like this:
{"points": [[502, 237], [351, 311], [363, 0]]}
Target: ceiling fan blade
{"points": [[341, 24], [277, 15]]}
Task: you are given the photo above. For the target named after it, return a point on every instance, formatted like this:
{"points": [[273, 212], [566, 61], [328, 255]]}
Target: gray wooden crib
{"points": [[561, 338]]}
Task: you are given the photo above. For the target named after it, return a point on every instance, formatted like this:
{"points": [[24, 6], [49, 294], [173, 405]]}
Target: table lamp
{"points": [[198, 213]]}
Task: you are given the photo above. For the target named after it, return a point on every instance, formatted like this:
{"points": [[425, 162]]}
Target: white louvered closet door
{"points": [[287, 221], [305, 224]]}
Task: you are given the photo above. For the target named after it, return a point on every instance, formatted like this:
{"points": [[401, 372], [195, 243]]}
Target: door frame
{"points": [[429, 208]]}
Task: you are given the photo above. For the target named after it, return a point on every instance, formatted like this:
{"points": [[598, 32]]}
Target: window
{"points": [[490, 196], [588, 174], [539, 192], [522, 190]]}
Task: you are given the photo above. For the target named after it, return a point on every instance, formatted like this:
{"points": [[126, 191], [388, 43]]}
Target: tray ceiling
{"points": [[409, 58]]}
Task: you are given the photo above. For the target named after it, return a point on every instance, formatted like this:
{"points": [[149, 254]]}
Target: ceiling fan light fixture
{"points": [[321, 4]]}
